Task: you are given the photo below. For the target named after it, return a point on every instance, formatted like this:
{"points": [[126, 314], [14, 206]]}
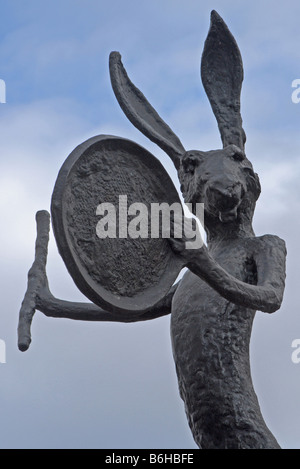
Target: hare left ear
{"points": [[222, 77]]}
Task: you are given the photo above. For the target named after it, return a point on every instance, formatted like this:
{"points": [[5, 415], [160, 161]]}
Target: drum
{"points": [[105, 199]]}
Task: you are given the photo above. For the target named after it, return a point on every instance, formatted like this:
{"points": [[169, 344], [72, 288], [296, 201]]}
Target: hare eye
{"points": [[238, 156], [189, 164], [249, 172]]}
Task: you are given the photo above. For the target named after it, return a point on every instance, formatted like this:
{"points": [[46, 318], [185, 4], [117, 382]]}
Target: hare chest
{"points": [[193, 295], [210, 335], [210, 340]]}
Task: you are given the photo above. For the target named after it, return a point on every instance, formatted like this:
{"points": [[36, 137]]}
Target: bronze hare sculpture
{"points": [[213, 306]]}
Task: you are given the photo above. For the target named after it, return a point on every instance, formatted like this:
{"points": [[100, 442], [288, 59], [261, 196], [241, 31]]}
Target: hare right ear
{"points": [[222, 77], [140, 112]]}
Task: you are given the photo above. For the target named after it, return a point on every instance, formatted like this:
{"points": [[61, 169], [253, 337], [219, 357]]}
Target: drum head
{"points": [[122, 274]]}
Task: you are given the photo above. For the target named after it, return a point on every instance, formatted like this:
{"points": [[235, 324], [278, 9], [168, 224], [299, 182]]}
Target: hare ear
{"points": [[222, 77], [140, 112]]}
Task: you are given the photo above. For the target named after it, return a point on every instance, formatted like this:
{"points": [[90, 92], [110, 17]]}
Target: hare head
{"points": [[224, 179]]}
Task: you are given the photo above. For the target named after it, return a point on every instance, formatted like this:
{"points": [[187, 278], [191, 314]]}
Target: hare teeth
{"points": [[228, 215]]}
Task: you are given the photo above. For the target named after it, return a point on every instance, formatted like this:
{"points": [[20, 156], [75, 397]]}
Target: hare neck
{"points": [[220, 233]]}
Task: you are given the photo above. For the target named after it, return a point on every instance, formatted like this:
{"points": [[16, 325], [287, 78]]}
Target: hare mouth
{"points": [[226, 216]]}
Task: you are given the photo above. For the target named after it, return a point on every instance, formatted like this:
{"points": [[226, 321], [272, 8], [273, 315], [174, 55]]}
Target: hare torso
{"points": [[210, 339]]}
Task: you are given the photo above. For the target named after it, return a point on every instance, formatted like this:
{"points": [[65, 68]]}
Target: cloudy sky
{"points": [[106, 385]]}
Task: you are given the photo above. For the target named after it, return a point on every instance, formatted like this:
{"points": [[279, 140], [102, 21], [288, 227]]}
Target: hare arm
{"points": [[46, 303], [267, 294], [39, 297], [56, 308]]}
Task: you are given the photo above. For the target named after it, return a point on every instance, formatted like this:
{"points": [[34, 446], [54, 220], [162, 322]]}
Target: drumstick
{"points": [[36, 280]]}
